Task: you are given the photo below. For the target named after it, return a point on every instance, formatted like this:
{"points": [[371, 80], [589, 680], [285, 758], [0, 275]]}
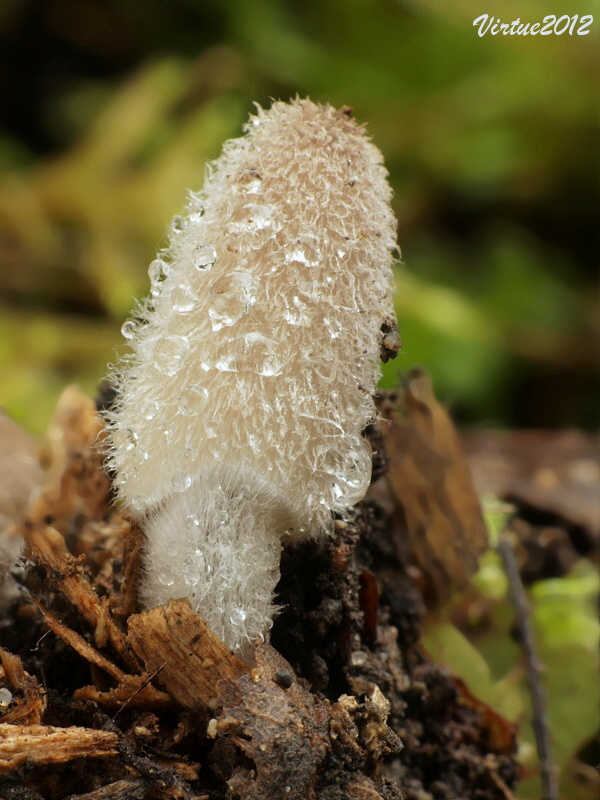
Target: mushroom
{"points": [[240, 409]]}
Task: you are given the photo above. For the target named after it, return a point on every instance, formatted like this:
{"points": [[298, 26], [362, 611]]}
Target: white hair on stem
{"points": [[241, 407]]}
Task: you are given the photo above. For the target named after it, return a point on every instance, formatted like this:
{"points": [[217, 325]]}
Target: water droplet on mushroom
{"points": [[232, 297], [298, 256], [334, 326], [196, 216], [222, 517], [5, 699], [157, 272], [192, 400], [192, 523], [297, 312], [251, 352], [137, 505], [128, 329], [238, 616], [350, 468], [180, 482], [124, 439], [203, 565], [148, 409], [183, 298], [170, 353], [255, 217], [166, 579], [203, 256], [177, 224]]}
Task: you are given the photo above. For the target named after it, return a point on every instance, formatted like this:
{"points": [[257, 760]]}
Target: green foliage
{"points": [[485, 140], [567, 635]]}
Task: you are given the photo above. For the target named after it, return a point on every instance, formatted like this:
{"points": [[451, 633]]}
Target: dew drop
{"points": [[253, 187], [204, 256], [334, 327], [192, 523], [203, 565], [137, 505], [350, 469], [128, 329], [222, 517], [256, 217], [232, 297], [180, 482], [148, 409], [124, 439], [298, 256], [157, 272], [5, 699], [183, 298], [251, 352], [188, 452], [297, 313], [170, 353], [358, 658], [177, 224], [238, 616], [192, 400], [196, 216]]}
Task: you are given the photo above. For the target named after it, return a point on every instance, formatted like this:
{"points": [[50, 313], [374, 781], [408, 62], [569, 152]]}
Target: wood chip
{"points": [[46, 744], [191, 658]]}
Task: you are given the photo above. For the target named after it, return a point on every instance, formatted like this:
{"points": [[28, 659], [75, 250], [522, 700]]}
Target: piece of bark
{"points": [[437, 522], [284, 731], [46, 744], [191, 658]]}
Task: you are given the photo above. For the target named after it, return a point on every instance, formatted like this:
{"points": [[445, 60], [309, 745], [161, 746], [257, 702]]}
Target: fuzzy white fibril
{"points": [[241, 407]]}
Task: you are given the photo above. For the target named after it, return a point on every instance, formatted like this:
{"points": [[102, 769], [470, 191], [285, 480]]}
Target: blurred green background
{"points": [[110, 108]]}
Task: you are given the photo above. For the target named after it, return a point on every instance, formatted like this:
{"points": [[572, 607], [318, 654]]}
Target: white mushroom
{"points": [[241, 408]]}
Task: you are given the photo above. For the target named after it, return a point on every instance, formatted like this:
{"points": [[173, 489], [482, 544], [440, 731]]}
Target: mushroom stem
{"points": [[218, 543]]}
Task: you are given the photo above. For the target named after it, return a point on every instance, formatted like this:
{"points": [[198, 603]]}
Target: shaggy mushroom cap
{"points": [[257, 352]]}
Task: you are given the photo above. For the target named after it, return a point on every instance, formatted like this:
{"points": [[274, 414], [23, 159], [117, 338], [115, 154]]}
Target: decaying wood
{"points": [[284, 731], [67, 575], [190, 720], [46, 744], [190, 657], [132, 689]]}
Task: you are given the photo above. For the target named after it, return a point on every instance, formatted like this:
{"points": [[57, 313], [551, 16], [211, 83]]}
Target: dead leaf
{"points": [[438, 524]]}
